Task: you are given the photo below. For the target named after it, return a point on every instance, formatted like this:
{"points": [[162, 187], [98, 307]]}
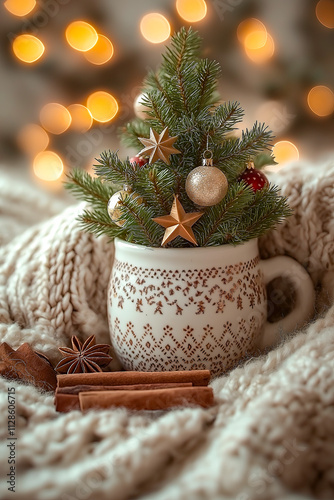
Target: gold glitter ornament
{"points": [[115, 203], [206, 185]]}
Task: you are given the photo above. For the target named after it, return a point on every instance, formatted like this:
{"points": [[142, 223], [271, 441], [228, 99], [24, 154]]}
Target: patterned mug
{"points": [[197, 308]]}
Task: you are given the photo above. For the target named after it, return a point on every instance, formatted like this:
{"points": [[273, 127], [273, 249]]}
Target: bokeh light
{"points": [[276, 114], [55, 118], [81, 36], [102, 106], [32, 139], [320, 100], [20, 8], [325, 13], [261, 54], [191, 11], [285, 151], [256, 40], [140, 108], [155, 27], [82, 120], [249, 26], [28, 48], [102, 51], [48, 166]]}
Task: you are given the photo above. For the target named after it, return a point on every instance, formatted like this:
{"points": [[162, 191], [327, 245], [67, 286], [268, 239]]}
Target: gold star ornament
{"points": [[158, 147], [178, 223]]}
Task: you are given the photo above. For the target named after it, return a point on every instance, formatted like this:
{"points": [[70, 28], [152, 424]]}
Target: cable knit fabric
{"points": [[270, 434]]}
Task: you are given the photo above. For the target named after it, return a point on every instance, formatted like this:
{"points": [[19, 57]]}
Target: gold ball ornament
{"points": [[115, 203], [206, 185]]}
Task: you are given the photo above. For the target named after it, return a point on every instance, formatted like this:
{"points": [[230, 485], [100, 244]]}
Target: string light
{"points": [[55, 118], [155, 27], [284, 151], [82, 120], [81, 36], [48, 166], [249, 26], [32, 139], [320, 100], [102, 106], [191, 11], [28, 48], [325, 13], [102, 51], [20, 8], [261, 54]]}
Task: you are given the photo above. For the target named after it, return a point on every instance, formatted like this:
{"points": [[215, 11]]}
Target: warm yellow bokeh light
{"points": [[321, 100], [325, 13], [28, 48], [20, 8], [102, 51], [261, 54], [82, 120], [48, 166], [55, 118], [191, 11], [102, 106], [155, 27], [256, 40], [284, 151], [249, 26], [32, 139], [81, 36]]}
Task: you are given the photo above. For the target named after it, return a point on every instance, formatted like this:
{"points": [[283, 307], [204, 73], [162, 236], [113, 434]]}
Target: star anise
{"points": [[83, 358]]}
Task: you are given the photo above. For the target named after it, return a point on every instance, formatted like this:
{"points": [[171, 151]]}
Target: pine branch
{"points": [[111, 169], [266, 211], [152, 82], [98, 222], [86, 188], [236, 201], [185, 47], [224, 119], [157, 186], [138, 222], [207, 81], [130, 133], [234, 153]]}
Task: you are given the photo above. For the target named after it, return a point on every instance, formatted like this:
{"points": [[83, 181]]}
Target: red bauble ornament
{"points": [[254, 178], [138, 161]]}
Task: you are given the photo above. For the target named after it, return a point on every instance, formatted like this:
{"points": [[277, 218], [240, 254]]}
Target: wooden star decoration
{"points": [[158, 147], [178, 223]]}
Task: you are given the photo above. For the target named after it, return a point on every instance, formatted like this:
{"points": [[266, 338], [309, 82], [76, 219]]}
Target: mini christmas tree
{"points": [[193, 182]]}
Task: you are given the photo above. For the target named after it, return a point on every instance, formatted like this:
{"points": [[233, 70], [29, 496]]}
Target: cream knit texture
{"points": [[270, 434]]}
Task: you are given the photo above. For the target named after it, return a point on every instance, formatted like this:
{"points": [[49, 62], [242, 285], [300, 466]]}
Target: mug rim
{"points": [[227, 248]]}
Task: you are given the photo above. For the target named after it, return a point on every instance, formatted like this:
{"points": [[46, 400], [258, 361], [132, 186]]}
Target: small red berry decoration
{"points": [[253, 177], [138, 161]]}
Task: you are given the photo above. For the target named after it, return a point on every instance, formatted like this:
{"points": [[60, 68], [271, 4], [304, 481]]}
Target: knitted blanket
{"points": [[270, 434]]}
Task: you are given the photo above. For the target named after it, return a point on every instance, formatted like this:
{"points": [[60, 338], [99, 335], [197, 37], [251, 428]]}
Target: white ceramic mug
{"points": [[197, 308]]}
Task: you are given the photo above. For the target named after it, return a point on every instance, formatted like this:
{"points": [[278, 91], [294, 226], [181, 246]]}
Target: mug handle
{"points": [[288, 268]]}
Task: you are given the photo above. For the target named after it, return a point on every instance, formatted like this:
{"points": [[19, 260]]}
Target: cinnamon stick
{"points": [[67, 402], [196, 377], [160, 399], [76, 389]]}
